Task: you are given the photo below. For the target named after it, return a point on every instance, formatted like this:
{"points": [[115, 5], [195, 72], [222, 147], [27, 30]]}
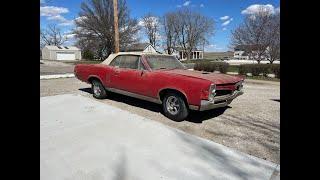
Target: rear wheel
{"points": [[98, 90], [174, 107]]}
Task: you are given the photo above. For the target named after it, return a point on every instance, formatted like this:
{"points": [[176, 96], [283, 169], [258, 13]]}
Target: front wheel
{"points": [[98, 90], [174, 107]]}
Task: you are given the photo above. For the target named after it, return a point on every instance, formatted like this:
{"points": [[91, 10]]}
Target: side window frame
{"points": [[141, 66], [115, 59], [129, 55]]}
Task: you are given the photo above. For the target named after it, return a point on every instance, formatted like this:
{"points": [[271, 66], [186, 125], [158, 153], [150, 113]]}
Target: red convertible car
{"points": [[161, 79]]}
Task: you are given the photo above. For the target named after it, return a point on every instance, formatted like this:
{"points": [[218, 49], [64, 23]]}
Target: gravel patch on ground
{"points": [[250, 124]]}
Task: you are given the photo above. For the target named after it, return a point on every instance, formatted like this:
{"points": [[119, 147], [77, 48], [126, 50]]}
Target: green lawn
{"points": [[217, 55], [263, 78]]}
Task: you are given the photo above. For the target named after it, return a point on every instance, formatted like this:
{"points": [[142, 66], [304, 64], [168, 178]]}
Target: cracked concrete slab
{"points": [[81, 138]]}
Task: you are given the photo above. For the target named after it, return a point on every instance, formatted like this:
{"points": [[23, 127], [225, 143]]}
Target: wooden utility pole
{"points": [[116, 26]]}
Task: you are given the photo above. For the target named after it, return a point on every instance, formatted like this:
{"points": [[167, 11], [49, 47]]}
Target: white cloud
{"points": [[61, 20], [201, 5], [80, 18], [256, 8], [224, 29], [52, 10], [227, 22], [42, 1], [277, 10], [70, 36], [223, 18], [53, 13], [56, 18], [66, 23], [186, 3]]}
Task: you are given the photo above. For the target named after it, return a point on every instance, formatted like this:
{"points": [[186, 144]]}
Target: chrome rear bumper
{"points": [[220, 101]]}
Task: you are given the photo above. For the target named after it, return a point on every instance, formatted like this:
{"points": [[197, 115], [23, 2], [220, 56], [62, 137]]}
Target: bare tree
{"points": [[168, 21], [151, 26], [51, 35], [190, 29], [256, 34], [94, 27], [273, 50]]}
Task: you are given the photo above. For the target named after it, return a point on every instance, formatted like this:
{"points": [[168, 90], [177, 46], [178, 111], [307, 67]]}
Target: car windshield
{"points": [[164, 62]]}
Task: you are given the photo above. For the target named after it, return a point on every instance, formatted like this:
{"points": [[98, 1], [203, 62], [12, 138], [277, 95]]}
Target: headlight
{"points": [[240, 86], [212, 92]]}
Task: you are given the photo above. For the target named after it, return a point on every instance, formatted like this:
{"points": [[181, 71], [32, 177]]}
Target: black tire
{"points": [[100, 92], [179, 114]]}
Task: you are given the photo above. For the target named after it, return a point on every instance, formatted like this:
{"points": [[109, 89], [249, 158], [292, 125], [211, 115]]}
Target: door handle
{"points": [[116, 72]]}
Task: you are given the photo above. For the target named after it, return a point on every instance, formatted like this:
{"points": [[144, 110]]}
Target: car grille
{"points": [[223, 92]]}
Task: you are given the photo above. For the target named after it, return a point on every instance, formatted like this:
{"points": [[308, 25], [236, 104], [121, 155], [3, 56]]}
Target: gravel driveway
{"points": [[250, 124]]}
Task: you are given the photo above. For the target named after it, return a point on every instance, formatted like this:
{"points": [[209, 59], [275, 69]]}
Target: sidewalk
{"points": [[81, 138]]}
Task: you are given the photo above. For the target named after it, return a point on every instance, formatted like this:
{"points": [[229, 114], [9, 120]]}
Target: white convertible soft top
{"points": [[113, 55]]}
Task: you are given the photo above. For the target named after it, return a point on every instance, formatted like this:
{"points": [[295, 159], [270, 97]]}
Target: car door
{"points": [[126, 73], [112, 77]]}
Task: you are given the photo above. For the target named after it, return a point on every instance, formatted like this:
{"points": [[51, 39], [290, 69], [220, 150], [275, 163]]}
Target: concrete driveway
{"points": [[81, 138]]}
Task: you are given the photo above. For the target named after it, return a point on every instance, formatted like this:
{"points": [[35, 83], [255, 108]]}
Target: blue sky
{"points": [[227, 14]]}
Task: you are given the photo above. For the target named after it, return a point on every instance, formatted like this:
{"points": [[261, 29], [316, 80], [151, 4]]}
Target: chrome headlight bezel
{"points": [[212, 92], [240, 85]]}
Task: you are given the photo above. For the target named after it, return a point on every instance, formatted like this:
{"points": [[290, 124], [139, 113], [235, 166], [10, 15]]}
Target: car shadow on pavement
{"points": [[194, 116], [200, 116], [277, 100], [129, 100]]}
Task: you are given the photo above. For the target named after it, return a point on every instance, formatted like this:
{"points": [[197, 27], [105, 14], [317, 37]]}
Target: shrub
{"points": [[275, 69], [88, 55], [223, 67], [243, 69], [211, 66], [257, 69]]}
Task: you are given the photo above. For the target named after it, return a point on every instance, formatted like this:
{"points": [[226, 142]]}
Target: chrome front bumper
{"points": [[220, 101]]}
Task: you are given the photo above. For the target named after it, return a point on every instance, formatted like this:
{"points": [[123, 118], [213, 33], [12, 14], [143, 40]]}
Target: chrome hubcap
{"points": [[172, 104], [96, 90]]}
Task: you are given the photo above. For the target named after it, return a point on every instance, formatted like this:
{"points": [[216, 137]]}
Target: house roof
{"points": [[59, 48], [137, 47]]}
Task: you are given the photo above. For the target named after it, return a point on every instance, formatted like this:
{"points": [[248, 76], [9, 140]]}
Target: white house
{"points": [[245, 52], [140, 47], [241, 52], [182, 54], [61, 53]]}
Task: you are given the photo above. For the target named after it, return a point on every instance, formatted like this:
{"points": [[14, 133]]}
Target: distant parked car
{"points": [[161, 79]]}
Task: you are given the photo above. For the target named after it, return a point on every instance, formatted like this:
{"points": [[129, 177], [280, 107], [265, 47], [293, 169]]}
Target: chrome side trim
{"points": [[127, 93], [193, 107]]}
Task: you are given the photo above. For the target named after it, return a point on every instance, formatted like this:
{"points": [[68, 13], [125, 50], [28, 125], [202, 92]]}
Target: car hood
{"points": [[216, 78]]}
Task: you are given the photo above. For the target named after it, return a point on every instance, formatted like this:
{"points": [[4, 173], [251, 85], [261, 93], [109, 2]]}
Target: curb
{"points": [[56, 76]]}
